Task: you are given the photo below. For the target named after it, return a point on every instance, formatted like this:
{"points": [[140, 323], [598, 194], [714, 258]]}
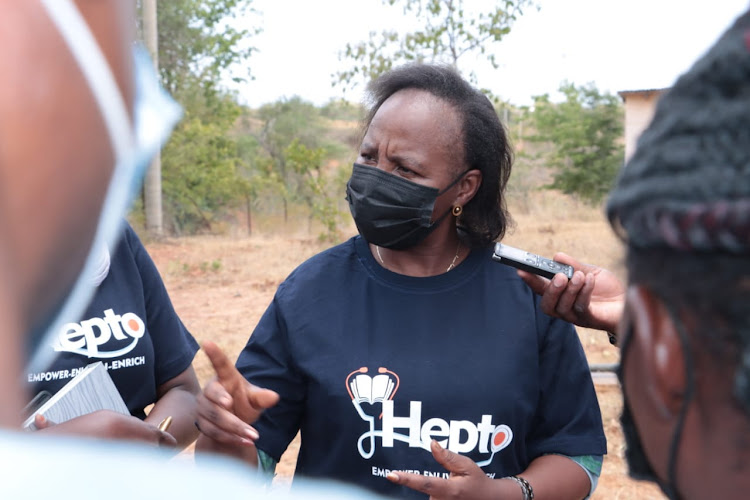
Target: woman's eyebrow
{"points": [[405, 159]]}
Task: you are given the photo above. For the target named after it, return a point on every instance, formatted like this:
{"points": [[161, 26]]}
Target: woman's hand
{"points": [[228, 406], [552, 476], [178, 398], [593, 298], [108, 424], [467, 480]]}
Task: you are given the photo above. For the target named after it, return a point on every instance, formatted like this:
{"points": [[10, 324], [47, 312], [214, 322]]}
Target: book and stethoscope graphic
{"points": [[382, 387]]}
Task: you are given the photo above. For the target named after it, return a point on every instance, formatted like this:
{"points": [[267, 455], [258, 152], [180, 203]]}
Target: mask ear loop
{"points": [[671, 487], [454, 182], [445, 190]]}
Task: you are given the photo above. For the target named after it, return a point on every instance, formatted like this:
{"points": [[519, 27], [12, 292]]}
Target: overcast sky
{"points": [[617, 44]]}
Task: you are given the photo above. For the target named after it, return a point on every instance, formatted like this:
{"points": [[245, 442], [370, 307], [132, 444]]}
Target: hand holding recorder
{"points": [[530, 262], [585, 295]]}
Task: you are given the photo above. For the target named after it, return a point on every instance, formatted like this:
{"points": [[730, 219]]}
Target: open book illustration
{"points": [[90, 390], [372, 389]]}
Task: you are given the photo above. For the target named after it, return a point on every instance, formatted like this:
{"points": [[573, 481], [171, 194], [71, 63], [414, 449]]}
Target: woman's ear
{"points": [[657, 347], [468, 187]]}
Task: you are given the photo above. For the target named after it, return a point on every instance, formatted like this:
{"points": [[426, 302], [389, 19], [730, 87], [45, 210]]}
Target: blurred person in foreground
{"points": [[79, 120], [682, 206]]}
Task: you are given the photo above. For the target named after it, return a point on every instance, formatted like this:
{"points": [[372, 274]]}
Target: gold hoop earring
{"points": [[457, 210]]}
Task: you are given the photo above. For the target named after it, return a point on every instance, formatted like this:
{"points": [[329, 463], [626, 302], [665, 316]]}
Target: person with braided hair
{"points": [[682, 206]]}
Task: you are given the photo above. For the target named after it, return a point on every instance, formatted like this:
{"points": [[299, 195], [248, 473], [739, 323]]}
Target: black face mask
{"points": [[635, 455], [390, 211]]}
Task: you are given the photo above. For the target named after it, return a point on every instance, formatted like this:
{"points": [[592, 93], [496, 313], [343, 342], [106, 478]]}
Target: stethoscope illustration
{"points": [[502, 435], [386, 392]]}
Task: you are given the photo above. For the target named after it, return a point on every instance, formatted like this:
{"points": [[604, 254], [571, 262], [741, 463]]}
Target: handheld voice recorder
{"points": [[530, 262]]}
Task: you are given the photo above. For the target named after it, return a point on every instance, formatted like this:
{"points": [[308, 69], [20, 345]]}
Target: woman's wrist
{"points": [[511, 488]]}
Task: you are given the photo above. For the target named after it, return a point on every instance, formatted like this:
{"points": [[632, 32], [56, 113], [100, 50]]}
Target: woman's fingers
{"points": [[552, 294], [41, 422], [166, 439], [222, 436], [231, 391], [261, 399], [252, 400], [217, 394], [536, 283], [583, 300], [569, 296], [225, 427], [222, 425], [224, 368]]}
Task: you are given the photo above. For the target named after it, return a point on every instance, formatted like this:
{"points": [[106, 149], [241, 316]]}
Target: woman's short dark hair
{"points": [[485, 218]]}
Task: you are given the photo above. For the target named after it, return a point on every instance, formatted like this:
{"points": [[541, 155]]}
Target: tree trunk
{"points": [[152, 201], [249, 215]]}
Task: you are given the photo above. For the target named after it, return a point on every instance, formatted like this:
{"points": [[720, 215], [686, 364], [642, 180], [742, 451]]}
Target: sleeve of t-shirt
{"points": [[174, 347], [568, 420], [266, 361]]}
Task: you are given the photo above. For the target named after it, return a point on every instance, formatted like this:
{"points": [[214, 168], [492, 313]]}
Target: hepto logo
{"points": [[459, 436], [88, 336]]}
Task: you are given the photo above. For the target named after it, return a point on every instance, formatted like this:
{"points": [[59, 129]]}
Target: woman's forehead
{"points": [[416, 100], [419, 114]]}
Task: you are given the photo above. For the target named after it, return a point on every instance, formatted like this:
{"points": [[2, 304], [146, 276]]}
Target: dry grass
{"points": [[220, 286]]}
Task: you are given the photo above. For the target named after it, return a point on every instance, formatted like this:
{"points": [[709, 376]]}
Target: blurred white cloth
{"points": [[53, 467], [101, 269]]}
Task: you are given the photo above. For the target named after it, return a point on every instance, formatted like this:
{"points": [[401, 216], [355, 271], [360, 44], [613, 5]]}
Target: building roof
{"points": [[624, 94]]}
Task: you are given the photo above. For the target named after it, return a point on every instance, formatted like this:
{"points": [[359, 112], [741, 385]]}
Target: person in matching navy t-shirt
{"points": [[408, 359], [132, 327]]}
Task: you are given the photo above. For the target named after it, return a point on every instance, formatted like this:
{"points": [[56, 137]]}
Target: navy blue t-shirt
{"points": [[371, 365], [130, 326]]}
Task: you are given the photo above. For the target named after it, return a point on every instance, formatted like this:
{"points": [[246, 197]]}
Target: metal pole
{"points": [[604, 373]]}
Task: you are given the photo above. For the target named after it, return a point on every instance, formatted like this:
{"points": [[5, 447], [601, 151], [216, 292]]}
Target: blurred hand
{"points": [[108, 424], [593, 298], [467, 480], [229, 404]]}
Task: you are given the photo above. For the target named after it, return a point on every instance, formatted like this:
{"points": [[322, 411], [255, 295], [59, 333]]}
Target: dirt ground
{"points": [[220, 286]]}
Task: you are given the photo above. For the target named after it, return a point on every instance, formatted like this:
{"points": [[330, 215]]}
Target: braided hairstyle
{"points": [[485, 145], [682, 203]]}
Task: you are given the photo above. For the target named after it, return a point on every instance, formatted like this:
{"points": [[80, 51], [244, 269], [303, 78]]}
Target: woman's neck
{"points": [[430, 258]]}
